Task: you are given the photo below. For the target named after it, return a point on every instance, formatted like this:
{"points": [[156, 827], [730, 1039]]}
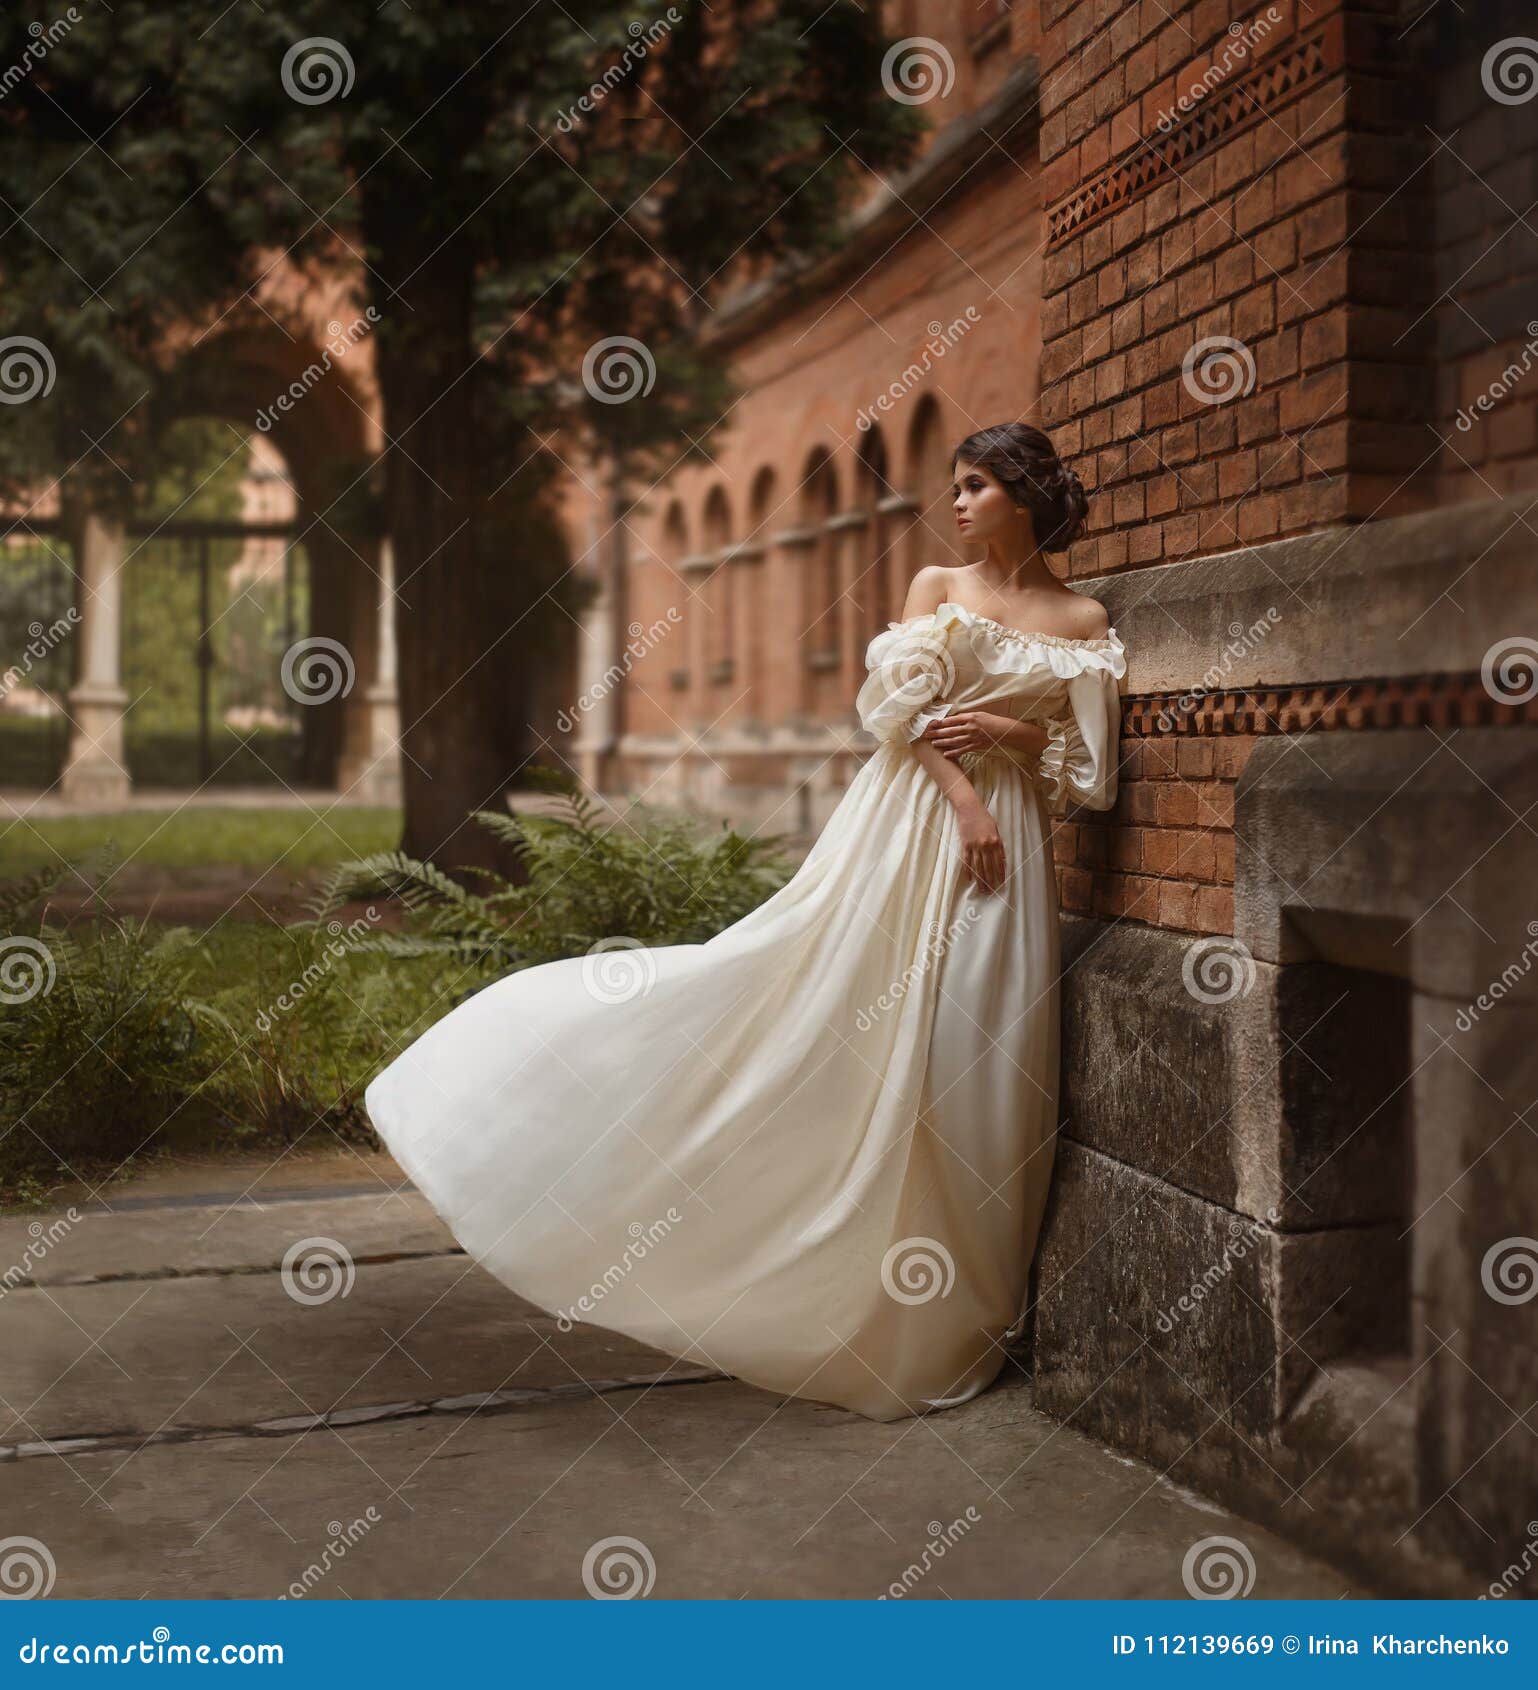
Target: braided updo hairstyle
{"points": [[1026, 465]]}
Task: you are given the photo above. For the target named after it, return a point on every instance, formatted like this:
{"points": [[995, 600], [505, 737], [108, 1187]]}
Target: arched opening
{"points": [[753, 608], [932, 537], [878, 589], [716, 600], [820, 597]]}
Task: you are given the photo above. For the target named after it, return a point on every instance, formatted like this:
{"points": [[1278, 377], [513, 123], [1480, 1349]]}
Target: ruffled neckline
{"points": [[1105, 652], [1110, 638]]}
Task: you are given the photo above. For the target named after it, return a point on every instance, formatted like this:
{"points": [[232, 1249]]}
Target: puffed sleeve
{"points": [[911, 671], [1079, 762]]}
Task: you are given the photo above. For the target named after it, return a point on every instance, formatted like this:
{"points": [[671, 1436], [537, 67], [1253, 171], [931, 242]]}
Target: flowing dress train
{"points": [[812, 1152]]}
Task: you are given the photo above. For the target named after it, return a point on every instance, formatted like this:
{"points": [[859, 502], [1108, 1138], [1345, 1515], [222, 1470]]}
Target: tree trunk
{"points": [[449, 612]]}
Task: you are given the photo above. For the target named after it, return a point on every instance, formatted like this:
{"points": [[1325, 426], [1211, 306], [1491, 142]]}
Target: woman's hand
{"points": [[982, 850], [971, 730]]}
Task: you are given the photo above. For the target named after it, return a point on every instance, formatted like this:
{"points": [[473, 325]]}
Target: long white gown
{"points": [[812, 1152]]}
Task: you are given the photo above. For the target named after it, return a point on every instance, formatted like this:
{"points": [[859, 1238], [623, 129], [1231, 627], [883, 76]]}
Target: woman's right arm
{"points": [[982, 849]]}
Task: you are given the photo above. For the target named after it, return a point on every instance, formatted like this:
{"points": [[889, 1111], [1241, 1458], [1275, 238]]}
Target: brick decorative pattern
{"points": [[1232, 225], [1242, 102], [1165, 854], [1402, 701]]}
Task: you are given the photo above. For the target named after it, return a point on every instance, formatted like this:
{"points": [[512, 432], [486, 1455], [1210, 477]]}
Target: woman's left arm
{"points": [[982, 730]]}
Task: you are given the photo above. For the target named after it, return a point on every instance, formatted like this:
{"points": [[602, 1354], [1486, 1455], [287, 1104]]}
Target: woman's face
{"points": [[984, 511]]}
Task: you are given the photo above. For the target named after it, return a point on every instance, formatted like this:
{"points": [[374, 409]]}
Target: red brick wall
{"points": [[1196, 189]]}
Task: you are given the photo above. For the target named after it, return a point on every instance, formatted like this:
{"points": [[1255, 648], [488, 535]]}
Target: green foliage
{"points": [[99, 1044], [261, 1032], [298, 1021], [455, 158], [649, 876]]}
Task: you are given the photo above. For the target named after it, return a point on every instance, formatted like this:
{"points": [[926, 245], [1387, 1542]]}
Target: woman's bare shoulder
{"points": [[927, 591], [1090, 618]]}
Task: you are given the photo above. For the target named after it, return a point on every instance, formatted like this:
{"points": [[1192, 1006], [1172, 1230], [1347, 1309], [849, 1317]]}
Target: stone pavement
{"points": [[180, 1417]]}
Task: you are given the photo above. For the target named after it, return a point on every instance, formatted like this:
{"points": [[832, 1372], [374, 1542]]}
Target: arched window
{"points": [[877, 579], [932, 537], [716, 598]]}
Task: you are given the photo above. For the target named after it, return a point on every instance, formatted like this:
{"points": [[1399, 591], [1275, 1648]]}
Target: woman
{"points": [[813, 1152]]}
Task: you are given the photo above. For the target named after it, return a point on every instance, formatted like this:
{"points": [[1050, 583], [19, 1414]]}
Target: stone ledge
{"points": [[1411, 595]]}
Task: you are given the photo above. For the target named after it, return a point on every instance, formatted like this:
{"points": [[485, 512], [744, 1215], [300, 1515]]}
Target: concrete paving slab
{"points": [[227, 1236], [146, 1355], [719, 1491], [474, 1450]]}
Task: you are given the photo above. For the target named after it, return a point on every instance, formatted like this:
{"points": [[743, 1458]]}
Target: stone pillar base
{"points": [[94, 770], [373, 776]]}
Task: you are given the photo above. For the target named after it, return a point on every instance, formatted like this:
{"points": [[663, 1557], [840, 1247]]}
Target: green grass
{"points": [[296, 838]]}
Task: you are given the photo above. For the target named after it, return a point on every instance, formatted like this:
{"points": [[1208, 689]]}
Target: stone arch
{"points": [[878, 591], [931, 536]]}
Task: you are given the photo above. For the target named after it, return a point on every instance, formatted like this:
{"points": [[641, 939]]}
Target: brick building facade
{"points": [[1268, 275]]}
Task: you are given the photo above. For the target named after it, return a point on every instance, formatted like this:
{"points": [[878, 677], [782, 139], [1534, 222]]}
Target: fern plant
{"points": [[99, 1043], [648, 875]]}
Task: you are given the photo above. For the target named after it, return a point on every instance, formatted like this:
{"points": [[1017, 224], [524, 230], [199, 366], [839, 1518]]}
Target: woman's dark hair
{"points": [[1026, 465]]}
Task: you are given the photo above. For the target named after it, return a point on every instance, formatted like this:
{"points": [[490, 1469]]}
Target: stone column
{"points": [[95, 767], [749, 630], [855, 587], [792, 553], [371, 773], [597, 703], [899, 512], [695, 572]]}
